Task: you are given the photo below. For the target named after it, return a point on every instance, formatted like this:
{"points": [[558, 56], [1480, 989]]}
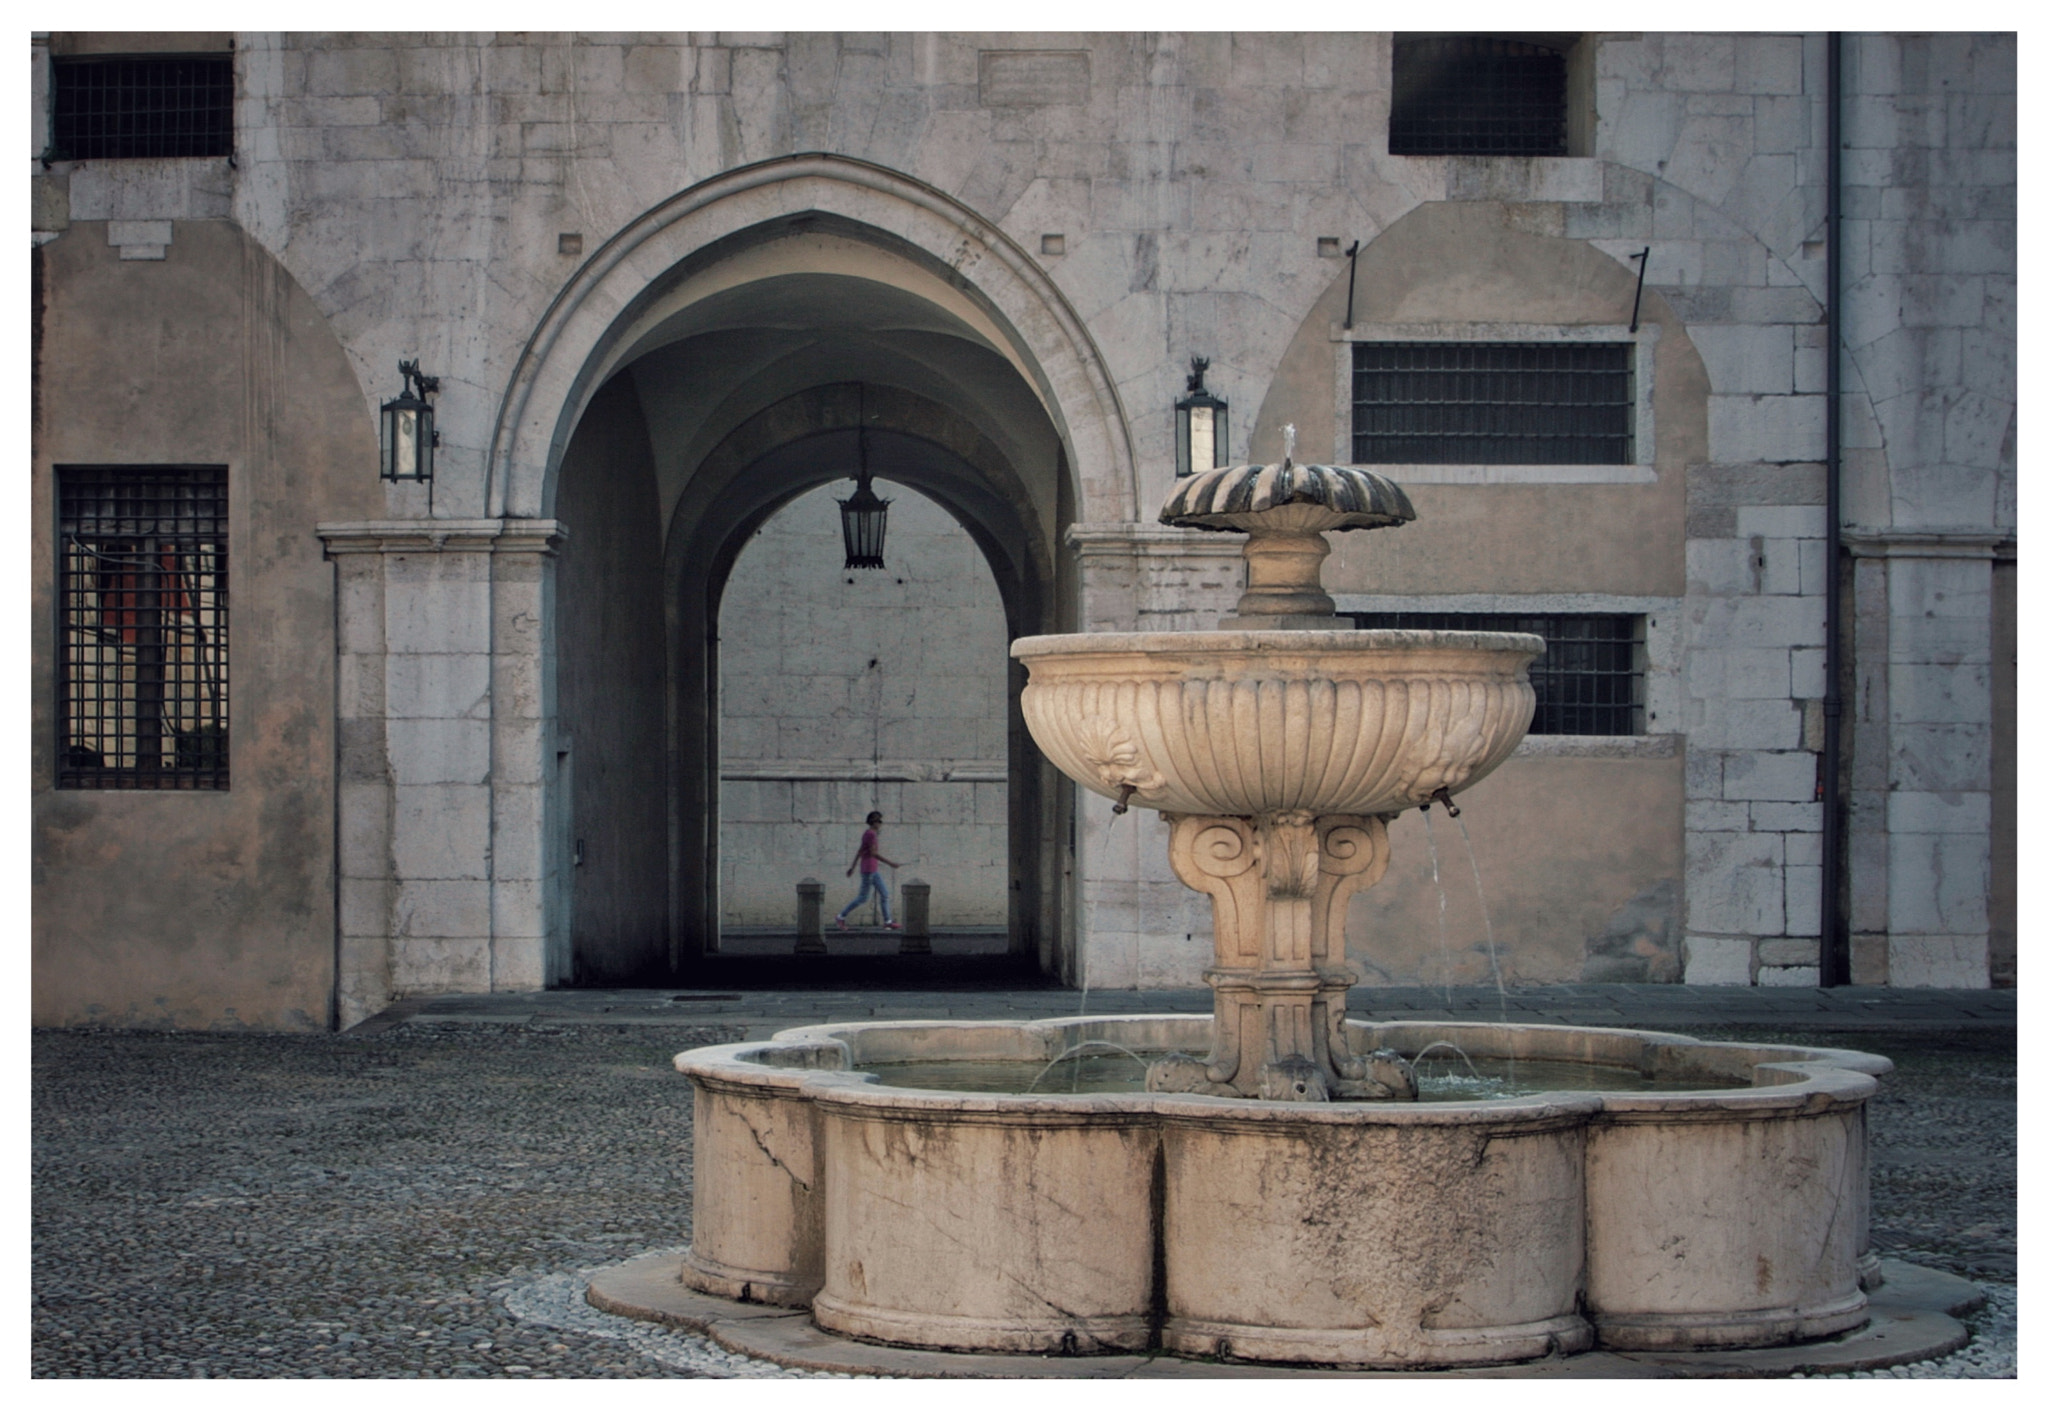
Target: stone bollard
{"points": [[917, 918], [810, 910]]}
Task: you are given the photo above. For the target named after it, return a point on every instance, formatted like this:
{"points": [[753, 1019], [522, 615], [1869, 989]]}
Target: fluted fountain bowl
{"points": [[1247, 722]]}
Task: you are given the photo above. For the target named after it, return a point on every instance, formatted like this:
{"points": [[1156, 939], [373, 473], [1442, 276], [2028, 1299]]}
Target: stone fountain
{"points": [[1263, 1201], [1278, 752]]}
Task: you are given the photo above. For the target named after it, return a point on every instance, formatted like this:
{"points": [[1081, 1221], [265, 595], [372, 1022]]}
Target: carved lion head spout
{"points": [[1116, 758]]}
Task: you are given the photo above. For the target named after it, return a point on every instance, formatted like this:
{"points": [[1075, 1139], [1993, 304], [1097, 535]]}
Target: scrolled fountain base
{"points": [[1389, 1078]]}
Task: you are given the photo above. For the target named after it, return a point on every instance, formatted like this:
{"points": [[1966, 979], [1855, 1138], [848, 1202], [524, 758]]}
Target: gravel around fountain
{"points": [[429, 1201]]}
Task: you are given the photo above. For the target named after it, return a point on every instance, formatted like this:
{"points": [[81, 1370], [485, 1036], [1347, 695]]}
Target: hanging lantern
{"points": [[864, 520], [864, 515], [1201, 426], [408, 436]]}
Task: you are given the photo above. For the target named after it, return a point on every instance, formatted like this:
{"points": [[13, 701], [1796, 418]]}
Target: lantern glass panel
{"points": [[405, 442], [423, 444], [1201, 437]]}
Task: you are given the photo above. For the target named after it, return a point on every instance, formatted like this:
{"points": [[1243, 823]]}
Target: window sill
{"points": [[1598, 746], [1518, 474]]}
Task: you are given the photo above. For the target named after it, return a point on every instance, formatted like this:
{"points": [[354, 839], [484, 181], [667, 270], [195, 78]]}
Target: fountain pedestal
{"points": [[1277, 885]]}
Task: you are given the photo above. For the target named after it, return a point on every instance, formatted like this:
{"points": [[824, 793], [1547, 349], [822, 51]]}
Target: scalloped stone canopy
{"points": [[1321, 497]]}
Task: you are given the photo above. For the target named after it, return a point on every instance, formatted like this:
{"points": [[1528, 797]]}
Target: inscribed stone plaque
{"points": [[1033, 78]]}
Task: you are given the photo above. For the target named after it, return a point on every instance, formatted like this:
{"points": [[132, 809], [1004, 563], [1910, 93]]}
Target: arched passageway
{"points": [[844, 691], [741, 391]]}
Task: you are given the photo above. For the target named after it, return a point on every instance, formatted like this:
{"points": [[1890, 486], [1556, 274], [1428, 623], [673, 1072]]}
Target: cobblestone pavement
{"points": [[421, 1196], [216, 1205]]}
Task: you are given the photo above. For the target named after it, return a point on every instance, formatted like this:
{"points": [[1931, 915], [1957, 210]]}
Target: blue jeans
{"points": [[871, 881]]}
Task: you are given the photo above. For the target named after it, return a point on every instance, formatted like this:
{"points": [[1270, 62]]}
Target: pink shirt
{"points": [[869, 843]]}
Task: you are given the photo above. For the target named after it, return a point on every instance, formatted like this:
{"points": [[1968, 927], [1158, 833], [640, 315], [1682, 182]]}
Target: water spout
{"points": [[1077, 1049], [1443, 935], [1443, 796], [1492, 955], [1450, 1046], [1123, 799]]}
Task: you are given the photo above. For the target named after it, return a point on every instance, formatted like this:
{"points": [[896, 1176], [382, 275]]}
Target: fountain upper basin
{"points": [[1253, 722]]}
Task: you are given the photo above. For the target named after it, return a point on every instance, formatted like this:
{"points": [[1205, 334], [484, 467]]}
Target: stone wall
{"points": [[843, 691], [1081, 213]]}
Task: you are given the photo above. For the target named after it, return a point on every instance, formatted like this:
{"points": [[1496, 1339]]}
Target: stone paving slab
{"points": [[1913, 1317]]}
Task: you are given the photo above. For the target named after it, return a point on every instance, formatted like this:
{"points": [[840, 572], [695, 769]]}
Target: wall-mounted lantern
{"points": [[1201, 426], [864, 515], [408, 434]]}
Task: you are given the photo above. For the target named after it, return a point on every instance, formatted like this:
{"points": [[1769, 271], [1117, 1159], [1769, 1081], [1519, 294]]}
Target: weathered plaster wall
{"points": [[610, 699], [1450, 270], [1597, 902], [200, 909], [844, 691]]}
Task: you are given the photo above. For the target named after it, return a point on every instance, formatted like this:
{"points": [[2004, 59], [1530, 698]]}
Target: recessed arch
{"points": [[589, 326]]}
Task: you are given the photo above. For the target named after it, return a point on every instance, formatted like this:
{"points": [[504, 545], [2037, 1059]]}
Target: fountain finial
{"points": [[1286, 509]]}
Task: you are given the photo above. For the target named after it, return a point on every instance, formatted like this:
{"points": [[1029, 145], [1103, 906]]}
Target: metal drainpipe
{"points": [[1834, 947]]}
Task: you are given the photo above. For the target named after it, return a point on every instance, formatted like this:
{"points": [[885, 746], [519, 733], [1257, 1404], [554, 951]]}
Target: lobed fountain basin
{"points": [[1367, 1234]]}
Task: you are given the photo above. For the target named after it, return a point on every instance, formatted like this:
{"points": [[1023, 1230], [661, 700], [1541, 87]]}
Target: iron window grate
{"points": [[143, 618], [1589, 680], [1475, 95], [1492, 403], [153, 105]]}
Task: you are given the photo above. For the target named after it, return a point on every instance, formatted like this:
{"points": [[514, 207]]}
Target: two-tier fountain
{"points": [[1269, 1184]]}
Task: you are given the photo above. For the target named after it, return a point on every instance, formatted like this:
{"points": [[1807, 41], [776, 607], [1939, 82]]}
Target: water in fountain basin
{"points": [[1452, 1077]]}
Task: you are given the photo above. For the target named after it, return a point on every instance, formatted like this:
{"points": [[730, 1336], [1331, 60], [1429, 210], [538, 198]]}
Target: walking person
{"points": [[869, 859]]}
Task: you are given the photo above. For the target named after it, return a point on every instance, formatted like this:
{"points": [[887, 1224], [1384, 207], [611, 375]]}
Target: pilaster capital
{"points": [[541, 536], [1140, 540], [2000, 545]]}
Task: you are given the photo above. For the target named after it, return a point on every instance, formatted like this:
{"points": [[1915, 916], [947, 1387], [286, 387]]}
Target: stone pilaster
{"points": [[1139, 928], [1921, 805], [447, 858]]}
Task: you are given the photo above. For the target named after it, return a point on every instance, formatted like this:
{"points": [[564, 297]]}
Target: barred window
{"points": [[142, 105], [1477, 95], [1589, 680], [142, 679], [1492, 403]]}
